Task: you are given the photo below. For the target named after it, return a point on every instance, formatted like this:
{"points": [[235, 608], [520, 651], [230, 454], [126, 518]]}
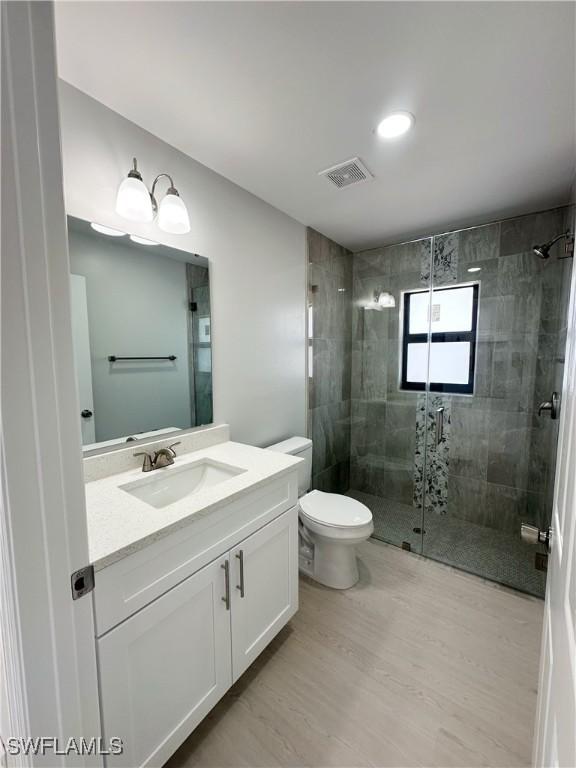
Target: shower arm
{"points": [[569, 248]]}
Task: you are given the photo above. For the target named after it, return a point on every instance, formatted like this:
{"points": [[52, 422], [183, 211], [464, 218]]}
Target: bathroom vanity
{"points": [[196, 570]]}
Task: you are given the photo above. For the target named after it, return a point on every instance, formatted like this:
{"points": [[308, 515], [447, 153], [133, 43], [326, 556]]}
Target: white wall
{"points": [[257, 259]]}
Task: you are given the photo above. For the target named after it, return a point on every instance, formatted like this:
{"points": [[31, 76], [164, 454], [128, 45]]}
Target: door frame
{"points": [[554, 737], [47, 653]]}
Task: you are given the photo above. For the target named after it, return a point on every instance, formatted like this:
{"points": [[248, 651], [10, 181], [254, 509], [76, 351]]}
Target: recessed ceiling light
{"points": [[395, 125], [474, 269], [142, 240], [107, 230]]}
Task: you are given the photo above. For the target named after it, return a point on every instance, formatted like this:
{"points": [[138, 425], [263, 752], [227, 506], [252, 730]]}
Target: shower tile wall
{"points": [[496, 467], [330, 299], [385, 459]]}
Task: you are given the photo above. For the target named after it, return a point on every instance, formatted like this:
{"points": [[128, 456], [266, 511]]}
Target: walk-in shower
{"points": [[428, 409]]}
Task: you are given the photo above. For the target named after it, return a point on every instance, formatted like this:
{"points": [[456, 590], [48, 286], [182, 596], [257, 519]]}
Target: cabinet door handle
{"points": [[240, 556], [226, 598]]}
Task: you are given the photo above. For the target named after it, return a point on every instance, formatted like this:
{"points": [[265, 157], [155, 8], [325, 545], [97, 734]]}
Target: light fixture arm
{"points": [[171, 189]]}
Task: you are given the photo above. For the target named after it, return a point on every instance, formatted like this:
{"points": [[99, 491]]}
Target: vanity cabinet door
{"points": [[163, 669], [264, 587]]}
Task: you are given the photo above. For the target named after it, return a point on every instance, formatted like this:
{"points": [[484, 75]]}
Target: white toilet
{"points": [[330, 524]]}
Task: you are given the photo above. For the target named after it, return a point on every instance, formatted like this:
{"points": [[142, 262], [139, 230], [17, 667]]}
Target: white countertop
{"points": [[120, 524]]}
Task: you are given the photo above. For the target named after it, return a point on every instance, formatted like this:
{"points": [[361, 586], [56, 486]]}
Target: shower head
{"points": [[543, 251]]}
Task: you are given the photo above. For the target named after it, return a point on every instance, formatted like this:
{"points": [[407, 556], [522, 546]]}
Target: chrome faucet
{"points": [[163, 457]]}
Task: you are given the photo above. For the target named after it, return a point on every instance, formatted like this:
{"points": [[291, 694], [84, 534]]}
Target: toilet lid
{"points": [[334, 509]]}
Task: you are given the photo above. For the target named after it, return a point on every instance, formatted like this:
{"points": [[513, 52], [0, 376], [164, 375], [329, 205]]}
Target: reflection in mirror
{"points": [[142, 339]]}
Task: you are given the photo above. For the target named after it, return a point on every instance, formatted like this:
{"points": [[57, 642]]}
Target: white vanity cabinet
{"points": [[165, 667], [265, 588], [163, 670]]}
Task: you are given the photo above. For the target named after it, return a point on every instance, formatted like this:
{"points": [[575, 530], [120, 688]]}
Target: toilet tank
{"points": [[301, 447]]}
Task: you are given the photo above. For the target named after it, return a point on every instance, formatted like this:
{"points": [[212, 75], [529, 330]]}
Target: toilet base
{"points": [[335, 564], [332, 564]]}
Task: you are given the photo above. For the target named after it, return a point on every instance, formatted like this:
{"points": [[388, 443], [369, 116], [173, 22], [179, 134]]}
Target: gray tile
{"points": [[330, 430], [466, 498], [331, 307], [370, 264], [368, 420], [509, 449], [520, 234], [507, 508], [483, 372], [518, 271], [370, 377], [479, 244], [487, 277], [331, 371], [386, 478], [334, 479], [468, 449], [514, 368]]}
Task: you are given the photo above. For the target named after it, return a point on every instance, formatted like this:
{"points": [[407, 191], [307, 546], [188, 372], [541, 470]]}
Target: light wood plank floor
{"points": [[418, 665]]}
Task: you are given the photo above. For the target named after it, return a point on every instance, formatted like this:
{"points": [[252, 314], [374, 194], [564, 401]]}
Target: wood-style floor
{"points": [[418, 665]]}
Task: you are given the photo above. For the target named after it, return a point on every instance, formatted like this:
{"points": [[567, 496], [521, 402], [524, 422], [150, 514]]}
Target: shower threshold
{"points": [[499, 556]]}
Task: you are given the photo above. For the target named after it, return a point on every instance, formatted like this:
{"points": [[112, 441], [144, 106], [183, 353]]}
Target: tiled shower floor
{"points": [[489, 553]]}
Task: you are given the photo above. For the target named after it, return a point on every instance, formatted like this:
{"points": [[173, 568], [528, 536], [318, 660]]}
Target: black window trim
{"points": [[422, 338]]}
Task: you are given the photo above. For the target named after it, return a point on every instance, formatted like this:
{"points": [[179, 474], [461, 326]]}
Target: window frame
{"points": [[470, 336]]}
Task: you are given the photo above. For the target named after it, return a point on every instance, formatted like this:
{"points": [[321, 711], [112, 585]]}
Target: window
{"points": [[453, 324]]}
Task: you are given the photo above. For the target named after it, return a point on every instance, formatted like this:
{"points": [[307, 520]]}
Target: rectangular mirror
{"points": [[142, 339]]}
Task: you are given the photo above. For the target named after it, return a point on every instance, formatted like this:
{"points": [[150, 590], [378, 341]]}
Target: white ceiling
{"points": [[270, 93]]}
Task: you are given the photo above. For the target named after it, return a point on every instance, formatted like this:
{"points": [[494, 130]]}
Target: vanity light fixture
{"points": [[142, 240], [107, 230], [474, 269], [396, 124], [135, 202]]}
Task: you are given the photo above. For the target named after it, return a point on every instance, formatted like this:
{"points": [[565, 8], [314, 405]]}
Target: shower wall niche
{"points": [[460, 499]]}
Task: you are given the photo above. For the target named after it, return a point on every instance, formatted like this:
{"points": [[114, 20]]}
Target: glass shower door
{"points": [[387, 452], [496, 346]]}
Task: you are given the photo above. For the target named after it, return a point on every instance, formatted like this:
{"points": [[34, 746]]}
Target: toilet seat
{"points": [[336, 516]]}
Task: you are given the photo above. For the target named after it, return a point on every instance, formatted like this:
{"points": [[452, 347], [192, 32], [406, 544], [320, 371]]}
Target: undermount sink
{"points": [[166, 486]]}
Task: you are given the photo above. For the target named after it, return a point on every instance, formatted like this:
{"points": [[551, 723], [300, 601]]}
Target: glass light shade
{"points": [[142, 240], [386, 300], [107, 230], [133, 200], [172, 215]]}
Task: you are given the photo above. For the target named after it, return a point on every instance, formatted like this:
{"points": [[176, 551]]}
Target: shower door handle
{"points": [[439, 425]]}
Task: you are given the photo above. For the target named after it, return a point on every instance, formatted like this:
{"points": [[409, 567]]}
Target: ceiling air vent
{"points": [[345, 174]]}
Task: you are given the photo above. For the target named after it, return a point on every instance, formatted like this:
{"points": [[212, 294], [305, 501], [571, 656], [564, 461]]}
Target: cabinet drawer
{"points": [[131, 583]]}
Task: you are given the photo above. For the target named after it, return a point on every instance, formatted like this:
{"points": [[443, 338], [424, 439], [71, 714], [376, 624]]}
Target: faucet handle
{"points": [[171, 447], [148, 463]]}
